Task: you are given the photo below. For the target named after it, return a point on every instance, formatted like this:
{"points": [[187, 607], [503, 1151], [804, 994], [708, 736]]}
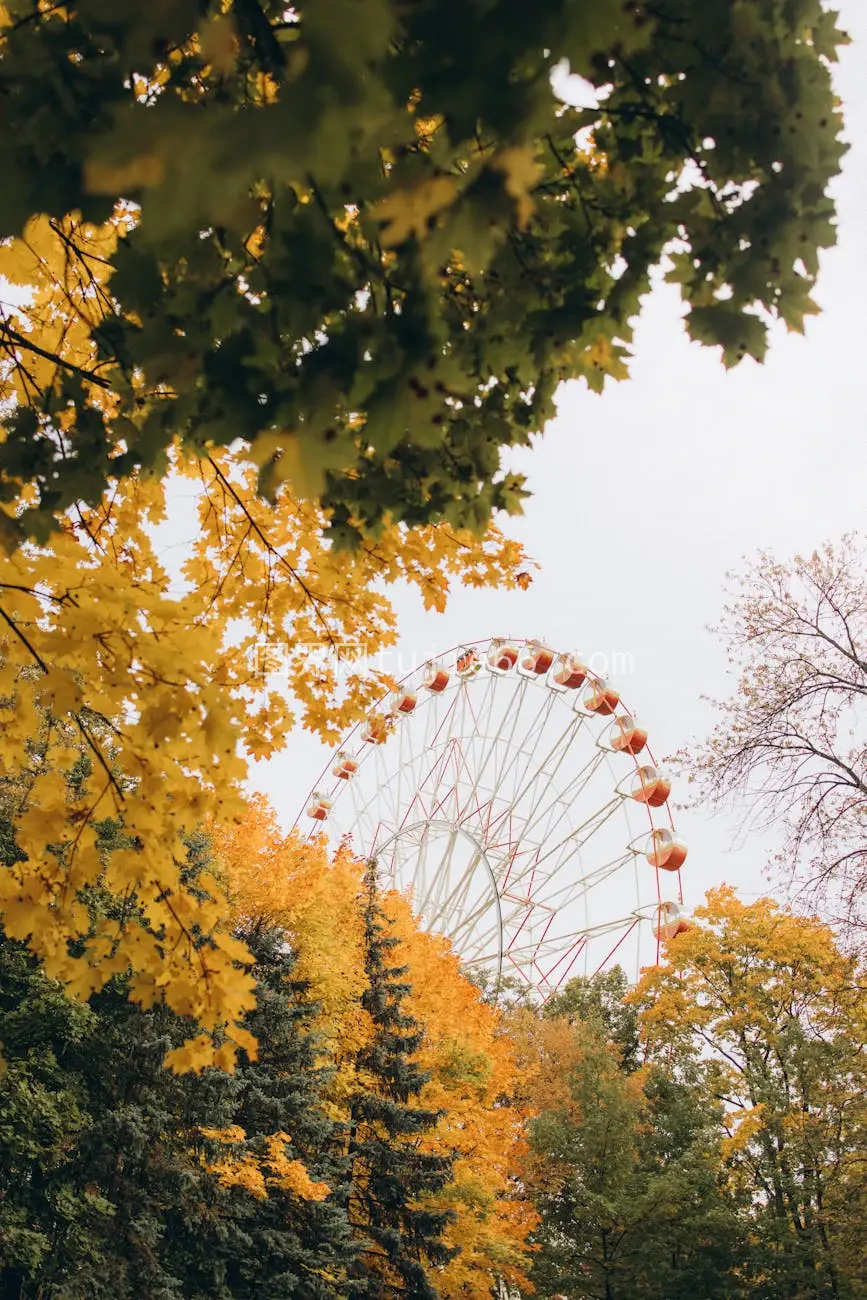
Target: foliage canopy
{"points": [[168, 687], [766, 1005], [371, 238]]}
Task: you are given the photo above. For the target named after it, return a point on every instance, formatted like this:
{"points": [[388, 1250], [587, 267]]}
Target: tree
{"points": [[169, 691], [473, 1083], [600, 1001], [624, 1166], [120, 1179], [790, 742], [44, 1114], [372, 239], [767, 1006], [391, 1174]]}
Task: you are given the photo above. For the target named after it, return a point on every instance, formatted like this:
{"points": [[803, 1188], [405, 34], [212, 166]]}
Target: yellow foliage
{"points": [[276, 880], [742, 1125], [777, 1013], [257, 1174], [63, 267], [744, 966], [281, 881], [473, 1068], [290, 1175], [93, 648], [169, 691], [427, 127], [166, 689]]}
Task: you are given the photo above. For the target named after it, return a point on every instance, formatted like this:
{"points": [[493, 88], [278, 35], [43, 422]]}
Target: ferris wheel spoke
{"points": [[494, 805], [542, 767], [483, 938], [434, 777], [418, 879], [453, 903], [439, 879], [479, 927], [583, 833], [551, 946], [502, 744], [575, 889], [562, 798], [559, 855], [525, 749]]}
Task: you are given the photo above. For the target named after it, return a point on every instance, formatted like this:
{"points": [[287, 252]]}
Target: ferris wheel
{"points": [[508, 791]]}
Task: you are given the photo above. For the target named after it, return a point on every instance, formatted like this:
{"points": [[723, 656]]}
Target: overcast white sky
{"points": [[645, 497]]}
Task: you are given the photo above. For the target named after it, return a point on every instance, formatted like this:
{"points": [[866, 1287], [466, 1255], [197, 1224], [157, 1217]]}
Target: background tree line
{"points": [[395, 1133]]}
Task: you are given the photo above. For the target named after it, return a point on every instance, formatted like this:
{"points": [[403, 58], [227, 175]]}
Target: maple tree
{"points": [[167, 693], [766, 1005], [790, 743], [371, 239]]}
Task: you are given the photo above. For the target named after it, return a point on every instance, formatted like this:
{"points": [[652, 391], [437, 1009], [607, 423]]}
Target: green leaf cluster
{"points": [[371, 240], [633, 1200]]}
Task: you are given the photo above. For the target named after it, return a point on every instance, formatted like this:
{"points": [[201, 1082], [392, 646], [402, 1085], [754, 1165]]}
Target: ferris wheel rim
{"points": [[444, 654], [521, 679]]}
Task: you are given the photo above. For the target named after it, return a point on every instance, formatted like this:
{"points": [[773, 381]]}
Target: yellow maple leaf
{"points": [[193, 1056], [59, 691], [244, 1039]]}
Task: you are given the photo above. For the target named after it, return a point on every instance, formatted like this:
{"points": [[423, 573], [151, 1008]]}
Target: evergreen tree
{"points": [[390, 1172], [48, 1212], [296, 1246], [111, 1166]]}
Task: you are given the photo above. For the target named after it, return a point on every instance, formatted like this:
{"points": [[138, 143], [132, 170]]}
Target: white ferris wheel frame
{"points": [[430, 781]]}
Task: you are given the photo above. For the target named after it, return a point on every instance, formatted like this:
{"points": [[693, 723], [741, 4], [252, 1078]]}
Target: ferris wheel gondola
{"points": [[506, 788]]}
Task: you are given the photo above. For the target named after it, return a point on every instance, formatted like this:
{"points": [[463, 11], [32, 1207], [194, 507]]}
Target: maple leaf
{"points": [[408, 210], [521, 172]]}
